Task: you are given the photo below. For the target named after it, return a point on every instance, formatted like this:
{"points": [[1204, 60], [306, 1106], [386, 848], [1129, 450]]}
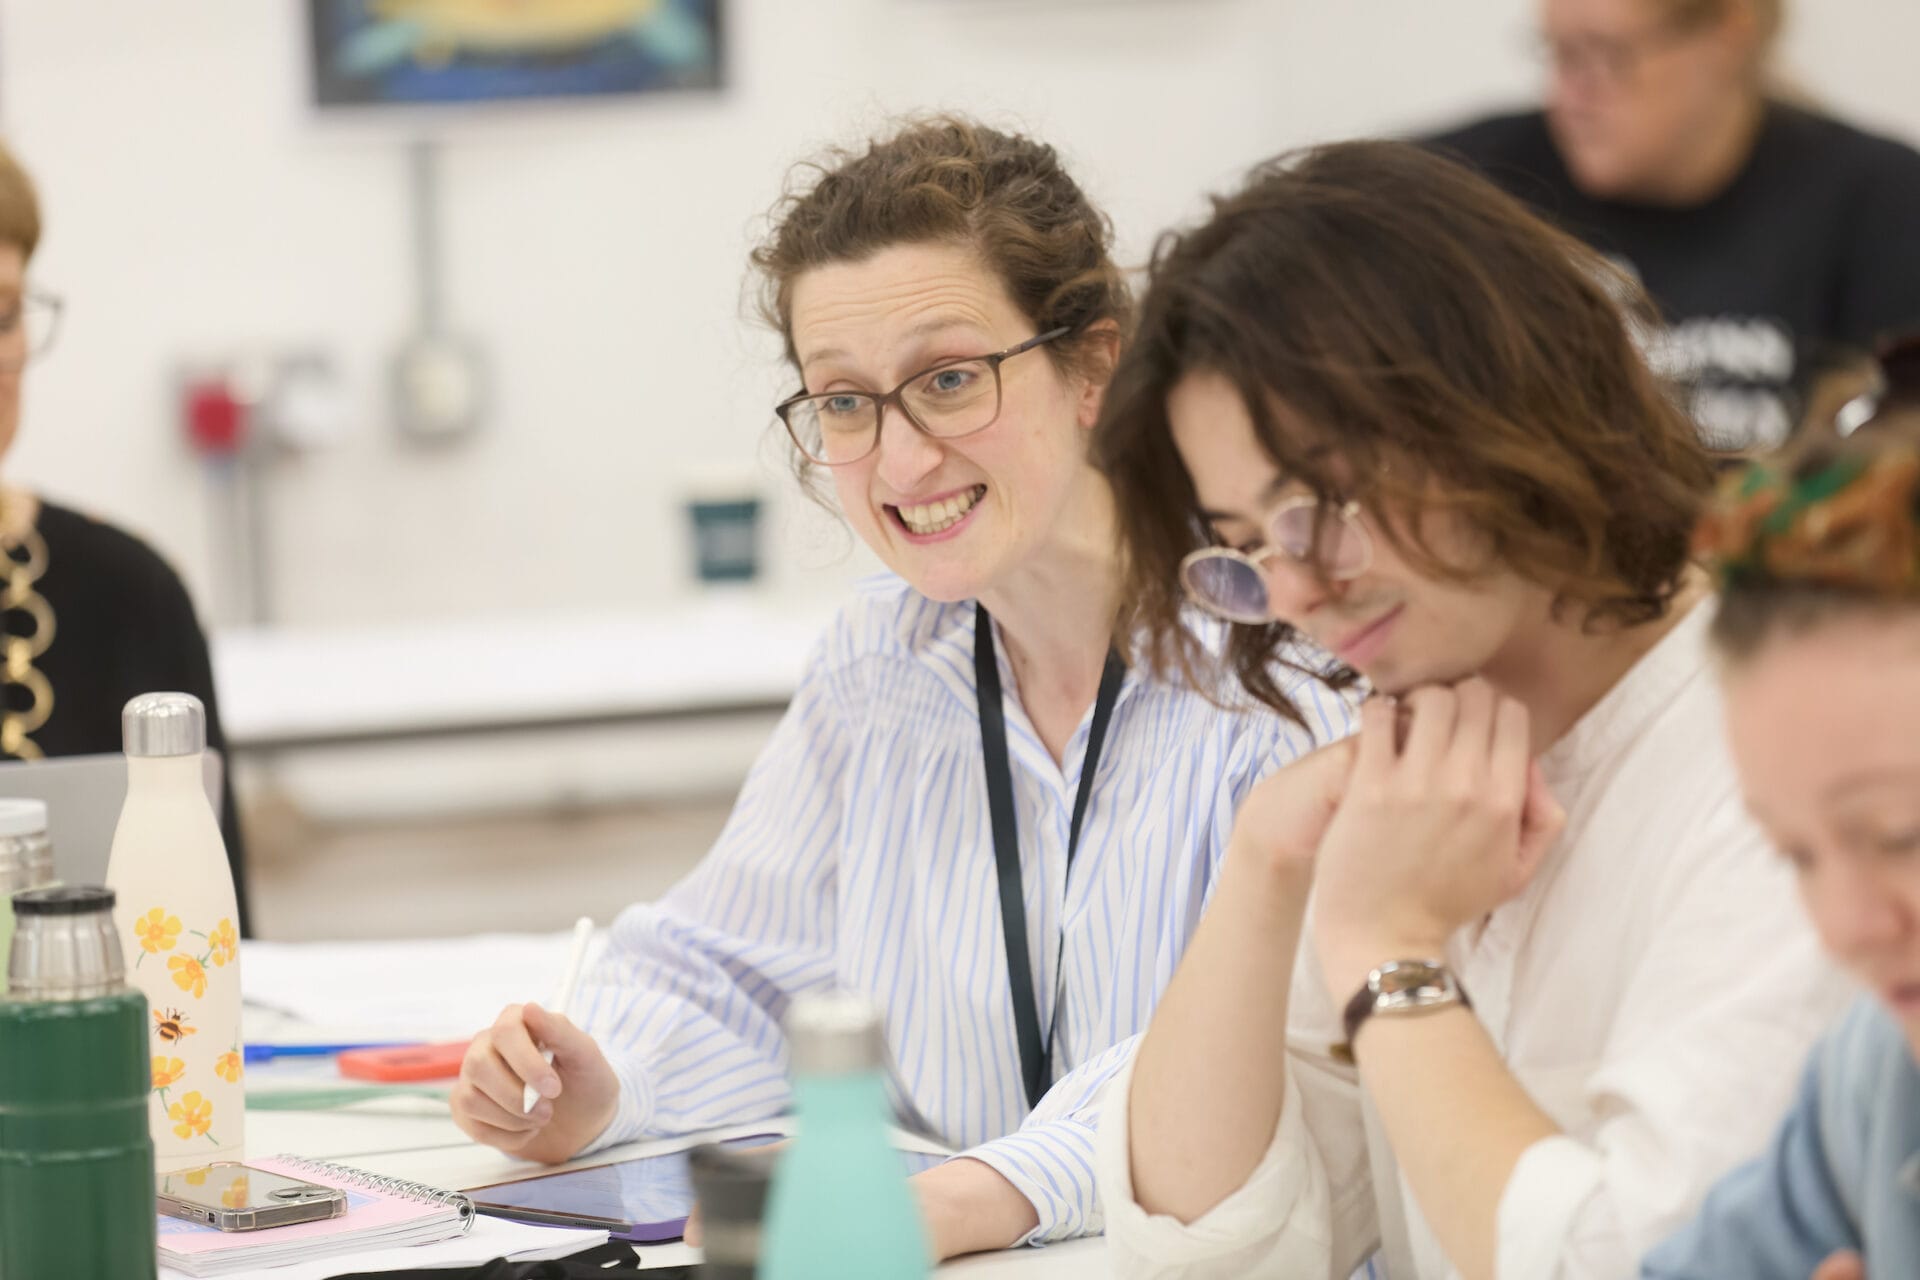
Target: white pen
{"points": [[563, 1000]]}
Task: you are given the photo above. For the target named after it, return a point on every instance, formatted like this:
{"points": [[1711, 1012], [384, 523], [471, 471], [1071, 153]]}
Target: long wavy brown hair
{"points": [[1406, 336]]}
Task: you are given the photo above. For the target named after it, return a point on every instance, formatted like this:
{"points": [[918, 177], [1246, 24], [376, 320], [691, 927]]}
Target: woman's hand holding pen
{"points": [[578, 1091]]}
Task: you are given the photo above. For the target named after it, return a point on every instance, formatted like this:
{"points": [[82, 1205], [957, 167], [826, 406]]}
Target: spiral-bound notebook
{"points": [[381, 1213]]}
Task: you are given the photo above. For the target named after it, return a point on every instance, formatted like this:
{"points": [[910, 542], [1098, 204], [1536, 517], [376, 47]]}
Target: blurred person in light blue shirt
{"points": [[1819, 632]]}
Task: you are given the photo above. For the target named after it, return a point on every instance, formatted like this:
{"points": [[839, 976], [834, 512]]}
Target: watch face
{"points": [[1409, 975], [1399, 987]]}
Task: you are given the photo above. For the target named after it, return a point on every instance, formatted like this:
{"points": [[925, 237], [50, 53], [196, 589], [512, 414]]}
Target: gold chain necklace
{"points": [[23, 560]]}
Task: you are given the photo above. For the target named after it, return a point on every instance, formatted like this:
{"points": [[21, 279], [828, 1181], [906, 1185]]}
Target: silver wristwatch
{"points": [[1398, 988]]}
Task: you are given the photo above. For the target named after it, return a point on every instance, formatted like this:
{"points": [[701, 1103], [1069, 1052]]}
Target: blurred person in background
{"points": [[92, 615], [972, 814], [1818, 631], [1768, 234]]}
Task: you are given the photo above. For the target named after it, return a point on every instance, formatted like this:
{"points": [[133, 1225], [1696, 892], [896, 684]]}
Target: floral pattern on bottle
{"points": [[222, 944], [155, 932], [191, 1115], [166, 1073], [189, 975]]}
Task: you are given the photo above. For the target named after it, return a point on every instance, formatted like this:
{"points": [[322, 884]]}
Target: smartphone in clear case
{"points": [[231, 1196]]}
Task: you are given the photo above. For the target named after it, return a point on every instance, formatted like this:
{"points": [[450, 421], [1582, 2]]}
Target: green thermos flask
{"points": [[76, 1156]]}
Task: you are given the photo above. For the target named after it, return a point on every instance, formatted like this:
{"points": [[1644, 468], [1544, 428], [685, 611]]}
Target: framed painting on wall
{"points": [[384, 54]]}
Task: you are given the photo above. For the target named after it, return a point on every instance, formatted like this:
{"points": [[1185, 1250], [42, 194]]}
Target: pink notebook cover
{"points": [[371, 1207]]}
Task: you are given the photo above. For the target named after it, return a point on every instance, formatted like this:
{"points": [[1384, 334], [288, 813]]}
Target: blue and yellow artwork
{"points": [[389, 52]]}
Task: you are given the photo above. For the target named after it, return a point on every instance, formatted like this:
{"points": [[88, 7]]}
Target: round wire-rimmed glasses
{"points": [[946, 401], [27, 328], [1232, 584]]}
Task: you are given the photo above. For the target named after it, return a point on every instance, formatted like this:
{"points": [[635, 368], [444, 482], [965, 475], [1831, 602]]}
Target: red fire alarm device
{"points": [[215, 416]]}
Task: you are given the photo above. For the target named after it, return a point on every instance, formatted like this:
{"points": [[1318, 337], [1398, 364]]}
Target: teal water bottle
{"points": [[76, 1159], [840, 1207]]}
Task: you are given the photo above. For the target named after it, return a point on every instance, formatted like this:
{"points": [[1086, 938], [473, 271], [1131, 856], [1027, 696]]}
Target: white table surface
{"points": [[414, 1137], [432, 1150], [327, 686]]}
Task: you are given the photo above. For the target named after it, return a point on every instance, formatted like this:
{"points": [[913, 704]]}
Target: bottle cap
{"points": [[23, 817], [66, 900], [836, 1033], [164, 724], [64, 947]]}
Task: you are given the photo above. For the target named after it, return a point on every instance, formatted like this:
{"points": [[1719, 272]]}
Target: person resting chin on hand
{"points": [[1461, 994]]}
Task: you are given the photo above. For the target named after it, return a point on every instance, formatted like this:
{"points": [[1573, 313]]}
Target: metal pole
{"points": [[423, 159]]}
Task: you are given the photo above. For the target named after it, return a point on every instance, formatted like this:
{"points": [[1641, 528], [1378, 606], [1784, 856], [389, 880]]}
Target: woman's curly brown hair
{"points": [[945, 179]]}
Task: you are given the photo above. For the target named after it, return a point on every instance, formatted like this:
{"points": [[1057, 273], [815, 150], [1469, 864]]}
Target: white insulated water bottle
{"points": [[178, 924]]}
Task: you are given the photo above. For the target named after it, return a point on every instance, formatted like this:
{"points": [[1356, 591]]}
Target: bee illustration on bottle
{"points": [[171, 1026]]}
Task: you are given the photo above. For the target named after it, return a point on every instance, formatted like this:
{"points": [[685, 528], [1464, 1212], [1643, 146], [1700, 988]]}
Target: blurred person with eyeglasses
{"points": [[1499, 986], [973, 814], [1770, 234], [92, 615]]}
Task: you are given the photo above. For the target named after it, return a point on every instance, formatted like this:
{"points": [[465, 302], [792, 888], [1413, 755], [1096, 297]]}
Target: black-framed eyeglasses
{"points": [[27, 328], [946, 401], [1896, 378]]}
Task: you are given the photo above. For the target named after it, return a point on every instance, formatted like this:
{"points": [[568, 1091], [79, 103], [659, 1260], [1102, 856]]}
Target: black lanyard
{"points": [[1036, 1054]]}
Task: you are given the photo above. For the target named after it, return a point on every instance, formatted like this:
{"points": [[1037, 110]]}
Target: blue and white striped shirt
{"points": [[860, 855]]}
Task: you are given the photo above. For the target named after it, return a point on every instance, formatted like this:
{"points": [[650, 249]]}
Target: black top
{"points": [[1815, 243], [123, 626]]}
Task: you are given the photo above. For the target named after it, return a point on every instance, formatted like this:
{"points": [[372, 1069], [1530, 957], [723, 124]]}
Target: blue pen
{"points": [[268, 1052]]}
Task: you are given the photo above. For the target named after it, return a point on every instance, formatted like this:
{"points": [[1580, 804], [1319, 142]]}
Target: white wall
{"points": [[598, 255]]}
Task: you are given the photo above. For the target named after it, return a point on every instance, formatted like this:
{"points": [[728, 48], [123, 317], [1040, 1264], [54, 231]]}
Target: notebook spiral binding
{"points": [[345, 1176]]}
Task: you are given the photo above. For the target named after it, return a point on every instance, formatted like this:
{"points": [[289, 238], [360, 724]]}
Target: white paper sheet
{"points": [[434, 989]]}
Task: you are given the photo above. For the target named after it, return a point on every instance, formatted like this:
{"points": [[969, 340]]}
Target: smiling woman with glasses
{"points": [[974, 814], [90, 616]]}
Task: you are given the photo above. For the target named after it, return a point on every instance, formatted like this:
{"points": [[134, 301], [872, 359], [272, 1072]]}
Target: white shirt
{"points": [[1655, 991], [860, 855]]}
